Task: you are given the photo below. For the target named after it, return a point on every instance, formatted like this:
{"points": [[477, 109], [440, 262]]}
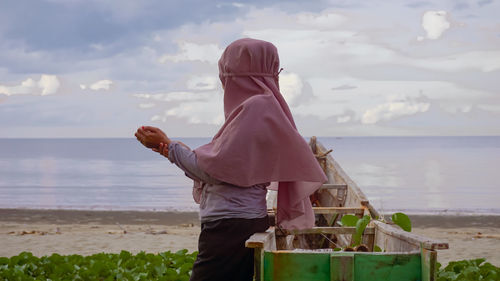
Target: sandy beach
{"points": [[44, 232]]}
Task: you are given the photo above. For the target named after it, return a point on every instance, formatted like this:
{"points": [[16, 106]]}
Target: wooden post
{"points": [[429, 259], [258, 264], [261, 242], [342, 267]]}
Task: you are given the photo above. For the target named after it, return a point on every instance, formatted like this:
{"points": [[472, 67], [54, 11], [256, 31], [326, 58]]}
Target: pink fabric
{"points": [[197, 190], [259, 142]]}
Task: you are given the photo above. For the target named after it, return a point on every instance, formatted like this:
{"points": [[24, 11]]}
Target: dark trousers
{"points": [[222, 253]]}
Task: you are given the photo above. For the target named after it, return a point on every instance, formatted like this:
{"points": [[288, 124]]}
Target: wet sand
{"points": [[44, 232]]}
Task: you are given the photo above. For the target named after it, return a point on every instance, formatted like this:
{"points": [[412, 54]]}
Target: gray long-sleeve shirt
{"points": [[220, 200]]}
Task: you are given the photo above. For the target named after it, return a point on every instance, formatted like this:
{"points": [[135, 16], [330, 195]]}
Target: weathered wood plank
{"points": [[329, 197], [374, 213], [261, 242], [265, 240], [333, 186], [428, 261], [338, 210], [369, 241], [395, 239], [353, 189], [258, 264], [284, 242], [342, 267], [326, 230]]}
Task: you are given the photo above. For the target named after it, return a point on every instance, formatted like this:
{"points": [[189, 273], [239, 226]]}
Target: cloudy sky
{"points": [[88, 68]]}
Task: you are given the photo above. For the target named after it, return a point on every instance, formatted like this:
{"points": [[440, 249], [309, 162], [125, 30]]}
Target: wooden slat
{"points": [[399, 236], [338, 210], [342, 266], [374, 213], [353, 189], [428, 261], [325, 230], [333, 186], [258, 264], [265, 240]]}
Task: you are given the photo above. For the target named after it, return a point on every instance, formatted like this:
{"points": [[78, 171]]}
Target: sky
{"points": [[88, 68]]}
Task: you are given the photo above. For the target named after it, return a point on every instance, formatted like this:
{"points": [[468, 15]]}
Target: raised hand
{"points": [[151, 137], [162, 149]]}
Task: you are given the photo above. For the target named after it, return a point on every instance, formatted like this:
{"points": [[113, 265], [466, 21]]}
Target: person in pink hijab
{"points": [[257, 147]]}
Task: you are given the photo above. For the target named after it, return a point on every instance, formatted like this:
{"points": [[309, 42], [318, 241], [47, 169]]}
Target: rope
{"points": [[228, 74], [323, 155]]}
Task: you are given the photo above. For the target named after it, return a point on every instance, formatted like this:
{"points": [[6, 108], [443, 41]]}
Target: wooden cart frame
{"points": [[405, 256]]}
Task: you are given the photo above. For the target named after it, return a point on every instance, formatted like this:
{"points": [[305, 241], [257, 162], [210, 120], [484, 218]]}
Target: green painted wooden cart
{"points": [[308, 254]]}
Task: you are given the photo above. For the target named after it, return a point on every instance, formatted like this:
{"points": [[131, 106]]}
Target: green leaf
{"points": [[360, 228], [402, 220], [181, 252], [376, 248], [349, 220], [468, 270], [161, 269]]}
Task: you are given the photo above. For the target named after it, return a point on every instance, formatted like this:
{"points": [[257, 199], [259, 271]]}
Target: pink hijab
{"points": [[259, 142]]}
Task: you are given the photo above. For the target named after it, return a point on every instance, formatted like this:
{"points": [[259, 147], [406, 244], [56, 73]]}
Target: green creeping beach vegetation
{"points": [[178, 265], [468, 270], [168, 266], [122, 266]]}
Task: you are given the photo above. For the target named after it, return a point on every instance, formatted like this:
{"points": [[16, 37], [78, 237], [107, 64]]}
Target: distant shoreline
{"points": [[210, 137], [64, 216]]}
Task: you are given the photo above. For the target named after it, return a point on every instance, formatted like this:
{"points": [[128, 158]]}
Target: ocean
{"points": [[451, 175]]}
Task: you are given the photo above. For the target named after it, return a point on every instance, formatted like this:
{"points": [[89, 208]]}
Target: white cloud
{"points": [[176, 96], [47, 85], [204, 107], [101, 85], [146, 105], [435, 23], [28, 83], [490, 107], [368, 96], [238, 5], [372, 42], [290, 86], [343, 87], [98, 85], [392, 110], [198, 112], [343, 119], [485, 61], [157, 38], [322, 21], [194, 52], [318, 48], [345, 47], [340, 49], [97, 47], [205, 82]]}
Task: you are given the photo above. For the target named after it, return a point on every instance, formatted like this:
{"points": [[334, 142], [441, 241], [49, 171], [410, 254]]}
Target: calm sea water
{"points": [[413, 174]]}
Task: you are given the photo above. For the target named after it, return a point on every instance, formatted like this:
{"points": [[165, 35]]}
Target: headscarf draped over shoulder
{"points": [[259, 141]]}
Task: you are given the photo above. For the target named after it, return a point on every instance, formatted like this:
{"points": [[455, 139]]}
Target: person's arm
{"points": [[185, 159], [177, 152]]}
